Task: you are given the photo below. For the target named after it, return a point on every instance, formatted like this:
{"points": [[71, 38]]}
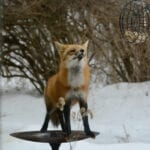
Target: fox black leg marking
{"points": [[45, 124], [87, 130], [67, 117], [61, 118]]}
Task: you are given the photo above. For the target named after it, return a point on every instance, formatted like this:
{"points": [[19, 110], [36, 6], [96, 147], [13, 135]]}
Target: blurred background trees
{"points": [[31, 27]]}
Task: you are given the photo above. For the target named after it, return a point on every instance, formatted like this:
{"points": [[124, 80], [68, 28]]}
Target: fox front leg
{"points": [[60, 108], [87, 130], [67, 117], [45, 124]]}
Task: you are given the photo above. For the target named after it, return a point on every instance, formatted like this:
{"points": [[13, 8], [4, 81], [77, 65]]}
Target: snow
{"points": [[121, 114], [123, 111]]}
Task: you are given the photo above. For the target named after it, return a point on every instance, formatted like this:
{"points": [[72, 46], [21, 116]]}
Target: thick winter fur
{"points": [[71, 83]]}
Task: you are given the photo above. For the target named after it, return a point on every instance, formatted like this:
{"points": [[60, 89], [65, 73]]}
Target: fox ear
{"points": [[59, 46], [86, 44]]}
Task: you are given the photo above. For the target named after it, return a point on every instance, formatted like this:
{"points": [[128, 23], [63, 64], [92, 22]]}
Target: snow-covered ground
{"points": [[121, 115]]}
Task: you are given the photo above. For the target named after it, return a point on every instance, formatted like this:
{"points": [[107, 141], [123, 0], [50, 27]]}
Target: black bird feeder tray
{"points": [[54, 137], [134, 21]]}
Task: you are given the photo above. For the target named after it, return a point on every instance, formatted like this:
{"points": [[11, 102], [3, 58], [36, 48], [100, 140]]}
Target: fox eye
{"points": [[72, 51]]}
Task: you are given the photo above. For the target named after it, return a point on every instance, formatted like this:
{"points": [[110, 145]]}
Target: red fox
{"points": [[71, 83]]}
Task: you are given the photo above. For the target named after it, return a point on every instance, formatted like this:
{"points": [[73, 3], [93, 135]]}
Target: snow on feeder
{"points": [[134, 21]]}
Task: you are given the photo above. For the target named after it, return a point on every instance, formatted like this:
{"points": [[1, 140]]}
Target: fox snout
{"points": [[80, 54]]}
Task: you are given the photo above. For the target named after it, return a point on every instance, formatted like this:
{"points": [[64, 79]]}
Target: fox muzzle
{"points": [[80, 54]]}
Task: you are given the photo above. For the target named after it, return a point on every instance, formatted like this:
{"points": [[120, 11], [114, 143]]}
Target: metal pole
{"points": [[55, 146]]}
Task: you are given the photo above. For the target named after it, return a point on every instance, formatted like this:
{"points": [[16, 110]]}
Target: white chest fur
{"points": [[76, 72], [76, 77]]}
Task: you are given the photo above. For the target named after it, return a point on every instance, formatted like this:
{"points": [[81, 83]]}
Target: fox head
{"points": [[72, 55]]}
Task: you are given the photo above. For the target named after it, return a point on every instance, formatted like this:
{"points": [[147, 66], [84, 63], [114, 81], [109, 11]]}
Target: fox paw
{"points": [[85, 112], [61, 103], [90, 133]]}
